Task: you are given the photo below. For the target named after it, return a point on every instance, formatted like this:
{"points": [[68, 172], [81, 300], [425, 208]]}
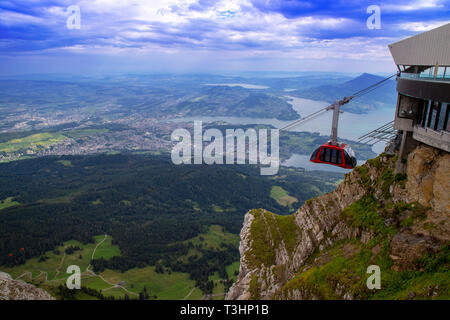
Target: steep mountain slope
{"points": [[374, 217]]}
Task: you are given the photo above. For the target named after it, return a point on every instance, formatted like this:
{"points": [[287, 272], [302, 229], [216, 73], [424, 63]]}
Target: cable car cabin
{"points": [[340, 155]]}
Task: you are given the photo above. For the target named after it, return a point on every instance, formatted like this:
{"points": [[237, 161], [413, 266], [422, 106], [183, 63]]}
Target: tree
{"points": [[159, 268]]}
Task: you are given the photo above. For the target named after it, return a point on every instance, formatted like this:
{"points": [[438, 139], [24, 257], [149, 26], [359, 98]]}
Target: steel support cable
{"points": [[304, 119], [387, 126], [363, 91], [368, 91]]}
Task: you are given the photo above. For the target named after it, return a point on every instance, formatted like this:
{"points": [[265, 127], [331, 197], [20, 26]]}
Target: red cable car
{"points": [[333, 152], [340, 155]]}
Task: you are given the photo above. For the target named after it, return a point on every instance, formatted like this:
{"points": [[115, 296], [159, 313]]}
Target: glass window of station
{"points": [[435, 115]]}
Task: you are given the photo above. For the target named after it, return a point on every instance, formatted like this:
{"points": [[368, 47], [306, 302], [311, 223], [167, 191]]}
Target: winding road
{"points": [[95, 249], [106, 281]]}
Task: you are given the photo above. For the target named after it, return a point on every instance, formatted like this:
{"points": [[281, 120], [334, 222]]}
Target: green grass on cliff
{"points": [[365, 213], [349, 273], [321, 281], [268, 231], [261, 251]]}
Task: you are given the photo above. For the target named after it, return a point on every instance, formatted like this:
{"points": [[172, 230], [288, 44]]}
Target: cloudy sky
{"points": [[207, 35]]}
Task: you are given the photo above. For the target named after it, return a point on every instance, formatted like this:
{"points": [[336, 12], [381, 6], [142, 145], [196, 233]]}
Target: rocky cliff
{"points": [[19, 290], [399, 222]]}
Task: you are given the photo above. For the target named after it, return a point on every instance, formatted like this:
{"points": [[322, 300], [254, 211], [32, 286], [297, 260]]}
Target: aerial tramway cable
{"points": [[373, 86]]}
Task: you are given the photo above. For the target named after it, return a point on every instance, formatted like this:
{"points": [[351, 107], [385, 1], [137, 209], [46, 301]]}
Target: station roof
{"points": [[425, 49]]}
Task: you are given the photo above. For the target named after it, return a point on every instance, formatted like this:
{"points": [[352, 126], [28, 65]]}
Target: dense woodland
{"points": [[149, 206]]}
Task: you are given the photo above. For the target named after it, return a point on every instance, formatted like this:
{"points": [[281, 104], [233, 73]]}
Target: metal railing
{"points": [[427, 75]]}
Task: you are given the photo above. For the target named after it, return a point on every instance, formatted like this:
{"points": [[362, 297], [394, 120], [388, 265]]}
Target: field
{"points": [[232, 269], [173, 286], [219, 288], [282, 196], [107, 250], [8, 202], [32, 142], [25, 145], [214, 238], [65, 163]]}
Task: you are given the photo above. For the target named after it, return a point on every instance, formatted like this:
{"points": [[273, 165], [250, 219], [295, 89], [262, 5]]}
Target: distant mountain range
{"points": [[163, 96], [384, 96]]}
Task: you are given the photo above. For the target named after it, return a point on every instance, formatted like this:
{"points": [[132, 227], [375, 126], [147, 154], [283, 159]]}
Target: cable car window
{"points": [[348, 160], [339, 156], [334, 155], [322, 154], [327, 155], [314, 155]]}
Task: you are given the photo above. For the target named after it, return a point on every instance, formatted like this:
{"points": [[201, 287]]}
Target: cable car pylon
{"points": [[336, 111]]}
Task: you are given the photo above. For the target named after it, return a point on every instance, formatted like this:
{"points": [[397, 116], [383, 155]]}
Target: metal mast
{"points": [[334, 125]]}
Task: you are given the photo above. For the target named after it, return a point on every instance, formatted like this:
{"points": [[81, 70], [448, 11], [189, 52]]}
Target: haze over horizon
{"points": [[207, 36]]}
